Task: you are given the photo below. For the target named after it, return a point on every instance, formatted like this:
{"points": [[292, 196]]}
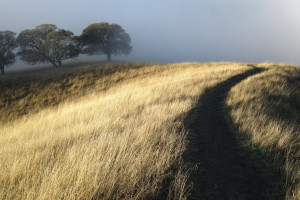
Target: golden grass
{"points": [[29, 92], [124, 142], [266, 107]]}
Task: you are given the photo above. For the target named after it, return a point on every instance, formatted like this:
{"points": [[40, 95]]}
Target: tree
{"points": [[104, 38], [7, 46], [60, 45], [46, 43]]}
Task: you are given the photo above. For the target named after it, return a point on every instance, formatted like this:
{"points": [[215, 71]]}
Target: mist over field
{"points": [[173, 30]]}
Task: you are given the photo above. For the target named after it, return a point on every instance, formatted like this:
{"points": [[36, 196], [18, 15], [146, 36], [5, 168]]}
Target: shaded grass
{"points": [[265, 108], [30, 91]]}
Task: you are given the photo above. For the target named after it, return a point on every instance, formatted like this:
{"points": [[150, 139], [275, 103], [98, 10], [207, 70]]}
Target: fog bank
{"points": [[174, 30]]}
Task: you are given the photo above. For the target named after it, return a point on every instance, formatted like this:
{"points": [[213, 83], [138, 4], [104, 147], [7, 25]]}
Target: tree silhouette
{"points": [[46, 43], [104, 38], [7, 46]]}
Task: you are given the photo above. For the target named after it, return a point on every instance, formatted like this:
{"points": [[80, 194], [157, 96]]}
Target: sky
{"points": [[168, 31]]}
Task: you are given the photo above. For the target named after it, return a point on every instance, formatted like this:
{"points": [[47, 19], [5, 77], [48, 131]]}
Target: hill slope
{"points": [[120, 131], [123, 142]]}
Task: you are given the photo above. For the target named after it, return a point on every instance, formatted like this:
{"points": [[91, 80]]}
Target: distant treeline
{"points": [[48, 44]]}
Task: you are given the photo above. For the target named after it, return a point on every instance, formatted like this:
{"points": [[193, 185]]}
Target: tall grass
{"points": [[266, 108], [124, 142], [29, 92]]}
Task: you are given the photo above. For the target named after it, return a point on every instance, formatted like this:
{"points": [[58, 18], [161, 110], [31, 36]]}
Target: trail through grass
{"points": [[223, 172], [266, 109], [124, 140]]}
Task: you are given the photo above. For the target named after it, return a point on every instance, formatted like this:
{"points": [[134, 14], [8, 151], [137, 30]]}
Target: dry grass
{"points": [[266, 107], [29, 92], [124, 142]]}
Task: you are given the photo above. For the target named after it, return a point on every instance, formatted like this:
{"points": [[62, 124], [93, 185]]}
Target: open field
{"points": [[101, 132], [266, 108]]}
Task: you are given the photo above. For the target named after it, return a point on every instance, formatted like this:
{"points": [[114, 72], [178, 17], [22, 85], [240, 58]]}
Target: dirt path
{"points": [[222, 172]]}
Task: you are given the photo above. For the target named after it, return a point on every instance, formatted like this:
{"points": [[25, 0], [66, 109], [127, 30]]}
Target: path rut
{"points": [[222, 172]]}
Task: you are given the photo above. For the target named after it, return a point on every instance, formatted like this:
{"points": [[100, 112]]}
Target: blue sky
{"points": [[177, 30]]}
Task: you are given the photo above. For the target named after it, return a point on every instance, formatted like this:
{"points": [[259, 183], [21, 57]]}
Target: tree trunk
{"points": [[108, 57], [59, 63], [53, 63], [2, 69]]}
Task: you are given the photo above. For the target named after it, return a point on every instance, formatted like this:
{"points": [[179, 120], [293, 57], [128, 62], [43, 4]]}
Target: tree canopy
{"points": [[46, 43], [104, 38], [7, 46]]}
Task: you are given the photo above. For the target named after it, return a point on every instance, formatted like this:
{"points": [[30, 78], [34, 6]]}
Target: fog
{"points": [[175, 30]]}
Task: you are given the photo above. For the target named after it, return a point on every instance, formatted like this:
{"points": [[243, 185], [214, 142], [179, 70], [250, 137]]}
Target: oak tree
{"points": [[7, 46], [104, 38], [46, 43]]}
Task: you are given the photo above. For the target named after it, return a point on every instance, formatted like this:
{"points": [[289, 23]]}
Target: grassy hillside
{"points": [[29, 92], [116, 131], [100, 132], [266, 108]]}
